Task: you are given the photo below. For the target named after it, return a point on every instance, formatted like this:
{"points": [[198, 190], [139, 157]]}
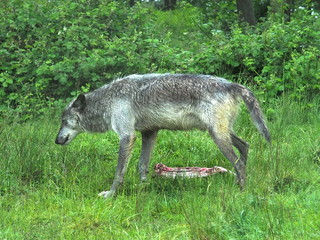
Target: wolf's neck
{"points": [[95, 121]]}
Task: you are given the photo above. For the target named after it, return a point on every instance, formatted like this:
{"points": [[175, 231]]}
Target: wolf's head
{"points": [[71, 121]]}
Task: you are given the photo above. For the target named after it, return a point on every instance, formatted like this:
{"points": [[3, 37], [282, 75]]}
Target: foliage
{"points": [[52, 50], [50, 192]]}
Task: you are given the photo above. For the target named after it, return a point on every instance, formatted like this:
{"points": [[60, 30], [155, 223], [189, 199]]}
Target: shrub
{"points": [[54, 49]]}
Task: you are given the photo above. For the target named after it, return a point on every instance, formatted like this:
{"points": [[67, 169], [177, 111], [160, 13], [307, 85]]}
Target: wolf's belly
{"points": [[172, 120]]}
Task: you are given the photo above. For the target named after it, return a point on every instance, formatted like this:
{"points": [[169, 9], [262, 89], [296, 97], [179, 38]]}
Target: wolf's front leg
{"points": [[126, 145], [148, 140]]}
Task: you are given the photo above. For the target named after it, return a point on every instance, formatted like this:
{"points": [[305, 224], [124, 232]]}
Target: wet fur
{"points": [[148, 103]]}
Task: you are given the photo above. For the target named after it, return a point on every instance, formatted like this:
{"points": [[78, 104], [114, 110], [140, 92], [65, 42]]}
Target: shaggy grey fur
{"points": [[148, 103]]}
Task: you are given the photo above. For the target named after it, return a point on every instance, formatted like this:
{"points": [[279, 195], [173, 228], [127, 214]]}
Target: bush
{"points": [[55, 49], [277, 56], [50, 49]]}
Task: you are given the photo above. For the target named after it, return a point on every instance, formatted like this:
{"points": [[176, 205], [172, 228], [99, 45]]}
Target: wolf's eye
{"points": [[72, 124]]}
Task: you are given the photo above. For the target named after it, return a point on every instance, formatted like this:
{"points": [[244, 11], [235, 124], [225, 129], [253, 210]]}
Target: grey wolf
{"points": [[148, 103]]}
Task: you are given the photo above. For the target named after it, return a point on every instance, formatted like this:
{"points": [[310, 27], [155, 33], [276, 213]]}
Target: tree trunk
{"points": [[173, 4], [131, 3], [245, 8], [170, 4]]}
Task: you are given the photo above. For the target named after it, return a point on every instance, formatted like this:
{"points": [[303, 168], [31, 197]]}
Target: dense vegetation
{"points": [[51, 192], [54, 49]]}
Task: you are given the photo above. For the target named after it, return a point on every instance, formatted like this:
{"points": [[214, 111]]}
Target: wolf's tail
{"points": [[255, 111]]}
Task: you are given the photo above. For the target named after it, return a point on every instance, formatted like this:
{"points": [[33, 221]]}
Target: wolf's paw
{"points": [[106, 194], [143, 179]]}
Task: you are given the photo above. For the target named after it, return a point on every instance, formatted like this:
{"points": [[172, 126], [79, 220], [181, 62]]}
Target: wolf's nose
{"points": [[61, 140], [57, 141]]}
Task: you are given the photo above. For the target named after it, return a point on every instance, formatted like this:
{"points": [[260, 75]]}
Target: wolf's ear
{"points": [[80, 103]]}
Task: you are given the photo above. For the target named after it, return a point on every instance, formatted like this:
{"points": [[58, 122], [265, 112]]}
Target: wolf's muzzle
{"points": [[62, 140]]}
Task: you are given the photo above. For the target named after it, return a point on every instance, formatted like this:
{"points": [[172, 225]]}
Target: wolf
{"points": [[151, 102]]}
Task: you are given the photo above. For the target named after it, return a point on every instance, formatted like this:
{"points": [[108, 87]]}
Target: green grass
{"points": [[50, 192]]}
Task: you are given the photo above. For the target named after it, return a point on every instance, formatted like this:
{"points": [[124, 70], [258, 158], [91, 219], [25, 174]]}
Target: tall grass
{"points": [[50, 192]]}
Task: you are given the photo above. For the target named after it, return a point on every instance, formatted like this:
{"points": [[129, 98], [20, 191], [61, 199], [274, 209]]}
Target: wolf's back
{"points": [[255, 111]]}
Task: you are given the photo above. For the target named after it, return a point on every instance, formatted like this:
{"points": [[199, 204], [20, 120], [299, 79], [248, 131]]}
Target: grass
{"points": [[50, 192]]}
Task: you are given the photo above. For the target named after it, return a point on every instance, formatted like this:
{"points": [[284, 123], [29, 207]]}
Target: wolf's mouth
{"points": [[66, 141]]}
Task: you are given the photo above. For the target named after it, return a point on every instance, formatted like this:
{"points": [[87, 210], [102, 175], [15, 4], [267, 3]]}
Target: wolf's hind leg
{"points": [[148, 140], [242, 146], [224, 142], [126, 145]]}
